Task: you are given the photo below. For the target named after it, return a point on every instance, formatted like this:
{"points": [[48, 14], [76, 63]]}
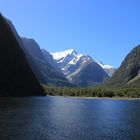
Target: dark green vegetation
{"points": [[123, 92], [129, 72], [16, 76]]}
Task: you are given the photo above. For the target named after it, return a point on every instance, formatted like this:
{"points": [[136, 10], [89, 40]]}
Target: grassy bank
{"points": [[119, 92]]}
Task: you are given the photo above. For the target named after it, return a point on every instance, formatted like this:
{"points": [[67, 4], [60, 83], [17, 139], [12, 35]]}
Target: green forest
{"points": [[99, 91]]}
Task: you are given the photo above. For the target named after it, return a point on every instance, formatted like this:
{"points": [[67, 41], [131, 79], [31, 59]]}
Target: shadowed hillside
{"points": [[129, 71], [51, 75], [16, 77]]}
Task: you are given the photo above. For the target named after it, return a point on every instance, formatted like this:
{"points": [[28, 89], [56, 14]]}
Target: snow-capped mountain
{"points": [[64, 57], [79, 69], [64, 54], [110, 70], [70, 60], [49, 72], [57, 68]]}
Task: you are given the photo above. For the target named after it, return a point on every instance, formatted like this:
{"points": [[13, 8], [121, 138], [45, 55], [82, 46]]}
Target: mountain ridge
{"points": [[128, 73], [59, 68], [50, 74], [43, 71], [16, 76], [59, 56], [75, 65]]}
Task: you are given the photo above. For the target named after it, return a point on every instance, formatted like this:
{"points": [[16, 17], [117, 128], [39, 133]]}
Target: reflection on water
{"points": [[59, 118]]}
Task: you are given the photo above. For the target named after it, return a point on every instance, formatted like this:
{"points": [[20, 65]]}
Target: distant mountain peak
{"points": [[79, 69], [63, 54], [70, 51], [110, 70], [104, 66]]}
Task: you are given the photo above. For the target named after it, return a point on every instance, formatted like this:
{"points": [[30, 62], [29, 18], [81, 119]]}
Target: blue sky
{"points": [[105, 29]]}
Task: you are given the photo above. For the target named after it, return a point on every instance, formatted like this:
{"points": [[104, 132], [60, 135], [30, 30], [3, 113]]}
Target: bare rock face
{"points": [[16, 76]]}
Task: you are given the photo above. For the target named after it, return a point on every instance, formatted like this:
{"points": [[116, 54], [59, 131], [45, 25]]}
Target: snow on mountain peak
{"points": [[75, 59], [69, 60], [72, 57], [63, 54], [105, 66]]}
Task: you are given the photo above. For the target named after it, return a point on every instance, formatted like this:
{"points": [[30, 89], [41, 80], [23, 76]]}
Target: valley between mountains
{"points": [[24, 65], [65, 68]]}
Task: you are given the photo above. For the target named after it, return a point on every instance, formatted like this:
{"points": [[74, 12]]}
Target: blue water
{"points": [[59, 118]]}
